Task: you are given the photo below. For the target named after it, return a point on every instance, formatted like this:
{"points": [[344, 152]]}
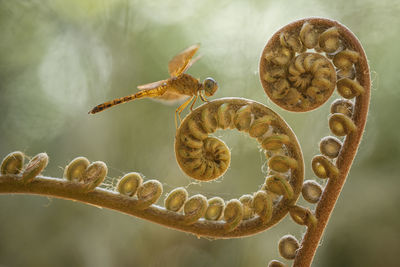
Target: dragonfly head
{"points": [[210, 86]]}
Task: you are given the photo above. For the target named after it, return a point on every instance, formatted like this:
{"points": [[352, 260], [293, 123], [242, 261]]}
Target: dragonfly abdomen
{"points": [[143, 93]]}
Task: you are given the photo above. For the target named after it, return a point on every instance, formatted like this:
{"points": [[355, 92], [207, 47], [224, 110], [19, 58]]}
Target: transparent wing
{"points": [[191, 62], [181, 62], [171, 98], [152, 85]]}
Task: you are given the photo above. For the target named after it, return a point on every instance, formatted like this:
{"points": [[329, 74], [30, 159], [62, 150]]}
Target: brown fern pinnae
{"points": [[87, 175], [215, 208], [341, 125], [288, 246], [330, 146], [303, 216], [262, 205], [12, 163], [94, 175], [247, 204], [176, 199], [311, 191], [275, 263], [75, 170], [324, 168], [195, 208], [233, 214], [34, 167], [129, 184], [148, 193], [279, 185]]}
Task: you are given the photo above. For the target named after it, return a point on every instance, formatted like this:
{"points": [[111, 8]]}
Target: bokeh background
{"points": [[59, 58]]}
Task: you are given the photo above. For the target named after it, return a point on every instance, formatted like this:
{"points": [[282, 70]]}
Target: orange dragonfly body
{"points": [[178, 87]]}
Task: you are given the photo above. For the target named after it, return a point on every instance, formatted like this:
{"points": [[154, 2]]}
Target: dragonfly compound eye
{"points": [[210, 86]]}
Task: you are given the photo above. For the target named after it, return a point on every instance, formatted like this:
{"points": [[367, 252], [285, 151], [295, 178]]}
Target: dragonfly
{"points": [[176, 88]]}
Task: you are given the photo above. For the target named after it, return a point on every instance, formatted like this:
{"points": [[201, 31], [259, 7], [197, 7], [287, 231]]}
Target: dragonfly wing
{"points": [[152, 85], [170, 98], [191, 62], [181, 62]]}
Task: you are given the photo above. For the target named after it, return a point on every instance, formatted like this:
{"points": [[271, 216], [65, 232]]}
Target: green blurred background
{"points": [[60, 58]]}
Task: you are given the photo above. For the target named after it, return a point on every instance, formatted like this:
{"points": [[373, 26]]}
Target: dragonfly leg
{"points": [[180, 109], [203, 97], [194, 101]]}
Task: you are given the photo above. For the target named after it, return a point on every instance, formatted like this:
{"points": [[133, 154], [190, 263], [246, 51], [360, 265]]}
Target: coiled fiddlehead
{"points": [[304, 62], [205, 158], [300, 67]]}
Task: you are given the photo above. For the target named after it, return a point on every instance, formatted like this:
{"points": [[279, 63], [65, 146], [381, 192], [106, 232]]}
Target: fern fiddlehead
{"points": [[300, 67]]}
